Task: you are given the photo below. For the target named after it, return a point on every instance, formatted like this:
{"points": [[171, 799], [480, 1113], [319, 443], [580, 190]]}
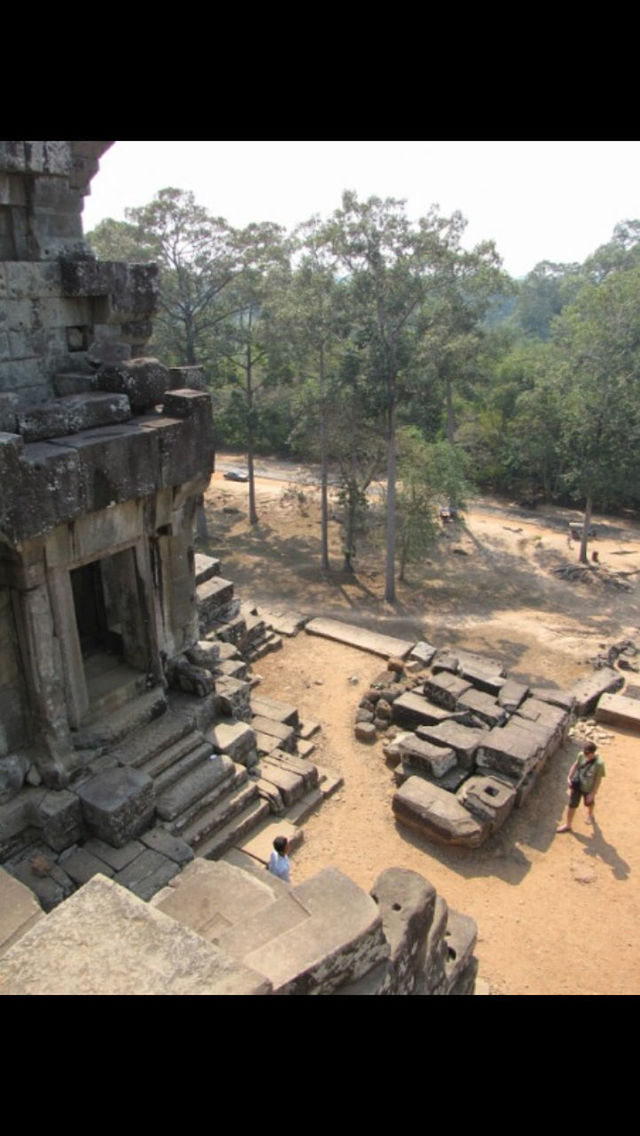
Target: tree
{"points": [[430, 472], [198, 259], [597, 346], [248, 338], [316, 320], [398, 273]]}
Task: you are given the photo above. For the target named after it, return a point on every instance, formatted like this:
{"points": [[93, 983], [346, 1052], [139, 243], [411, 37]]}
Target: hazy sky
{"points": [[538, 200]]}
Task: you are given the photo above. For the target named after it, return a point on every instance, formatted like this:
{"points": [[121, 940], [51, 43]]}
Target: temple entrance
{"points": [[112, 629]]}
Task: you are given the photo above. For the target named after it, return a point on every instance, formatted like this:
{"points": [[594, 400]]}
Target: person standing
{"points": [[585, 777]]}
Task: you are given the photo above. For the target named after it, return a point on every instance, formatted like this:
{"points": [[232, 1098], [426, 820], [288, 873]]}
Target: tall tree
{"points": [[597, 345], [198, 259], [398, 272], [248, 339]]}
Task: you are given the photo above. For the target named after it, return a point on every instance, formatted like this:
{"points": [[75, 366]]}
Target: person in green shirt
{"points": [[584, 780]]}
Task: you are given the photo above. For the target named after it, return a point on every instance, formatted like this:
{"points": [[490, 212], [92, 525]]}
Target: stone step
{"points": [[113, 689], [296, 765], [277, 711], [173, 772], [236, 777], [206, 567], [230, 631], [111, 728], [211, 820], [235, 831], [303, 808], [160, 761], [154, 739], [211, 596], [285, 735], [234, 668], [189, 789], [329, 781]]}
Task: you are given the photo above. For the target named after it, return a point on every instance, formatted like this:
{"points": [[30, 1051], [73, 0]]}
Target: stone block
{"points": [[188, 378], [40, 422], [116, 858], [59, 816], [445, 661], [482, 678], [407, 902], [424, 757], [277, 711], [433, 978], [588, 690], [437, 814], [87, 411], [143, 381], [106, 941], [366, 732], [483, 705], [51, 886], [511, 750], [172, 847], [463, 740], [115, 464], [565, 699], [290, 785], [118, 804], [234, 698], [512, 694], [212, 597], [285, 735], [423, 653], [618, 710], [149, 872], [335, 937], [411, 710], [445, 689], [237, 739], [82, 866], [487, 799], [460, 939], [206, 567]]}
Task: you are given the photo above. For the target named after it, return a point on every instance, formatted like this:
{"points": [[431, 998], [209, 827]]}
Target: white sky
{"points": [[538, 200]]}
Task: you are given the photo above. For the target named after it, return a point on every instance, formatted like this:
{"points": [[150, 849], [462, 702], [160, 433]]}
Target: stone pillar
{"points": [[44, 674], [64, 615]]}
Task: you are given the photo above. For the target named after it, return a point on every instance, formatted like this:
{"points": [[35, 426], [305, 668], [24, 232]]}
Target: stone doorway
{"points": [[112, 625]]}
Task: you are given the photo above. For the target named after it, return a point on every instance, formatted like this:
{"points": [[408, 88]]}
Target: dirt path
{"points": [[556, 914]]}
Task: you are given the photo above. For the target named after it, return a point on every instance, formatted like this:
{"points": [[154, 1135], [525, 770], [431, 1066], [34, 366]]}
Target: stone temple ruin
{"points": [[134, 753]]}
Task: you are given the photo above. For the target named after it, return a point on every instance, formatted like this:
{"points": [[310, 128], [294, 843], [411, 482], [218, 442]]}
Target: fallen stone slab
{"points": [[565, 699], [512, 694], [307, 729], [411, 710], [437, 814], [463, 740], [489, 682], [487, 799], [360, 637], [423, 653], [82, 866], [617, 710], [445, 660], [445, 689], [210, 896], [105, 941], [424, 757], [483, 705], [588, 690], [512, 750], [149, 872]]}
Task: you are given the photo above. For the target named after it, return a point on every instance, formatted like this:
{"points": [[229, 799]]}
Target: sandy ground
{"points": [[556, 914]]}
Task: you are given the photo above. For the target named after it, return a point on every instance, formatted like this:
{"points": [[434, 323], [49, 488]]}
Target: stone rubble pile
{"points": [[466, 742]]}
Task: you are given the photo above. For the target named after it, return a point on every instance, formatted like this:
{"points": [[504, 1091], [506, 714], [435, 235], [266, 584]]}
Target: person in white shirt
{"points": [[279, 863]]}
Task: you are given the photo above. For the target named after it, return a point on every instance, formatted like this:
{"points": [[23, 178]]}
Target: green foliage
{"points": [[431, 475]]}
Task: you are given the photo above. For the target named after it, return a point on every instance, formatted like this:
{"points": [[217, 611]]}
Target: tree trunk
{"points": [[585, 530], [324, 494], [390, 582], [451, 426], [253, 513]]}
